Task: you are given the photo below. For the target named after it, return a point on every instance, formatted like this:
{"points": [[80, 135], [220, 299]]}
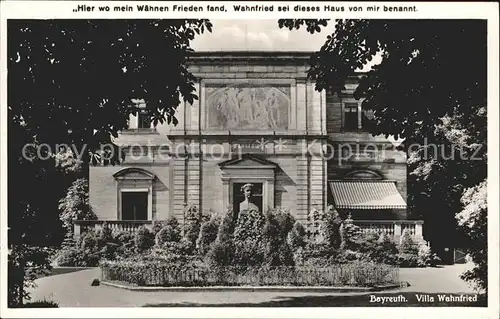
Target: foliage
{"points": [[330, 227], [170, 252], [222, 250], [297, 236], [126, 240], [378, 248], [144, 239], [349, 235], [75, 205], [407, 245], [473, 219], [249, 242], [88, 241], [54, 60], [278, 224], [157, 226], [422, 50], [77, 257], [426, 257], [154, 273], [25, 264], [440, 115], [208, 234], [105, 234], [171, 232], [408, 260], [194, 218], [41, 304]]}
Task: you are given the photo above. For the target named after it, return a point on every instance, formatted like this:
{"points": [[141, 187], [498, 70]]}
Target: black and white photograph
{"points": [[210, 161]]}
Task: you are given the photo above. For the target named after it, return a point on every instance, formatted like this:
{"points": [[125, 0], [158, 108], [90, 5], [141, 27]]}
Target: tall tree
{"points": [[430, 89], [71, 82]]}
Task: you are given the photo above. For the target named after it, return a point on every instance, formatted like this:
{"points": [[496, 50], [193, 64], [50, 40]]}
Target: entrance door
{"points": [[134, 206]]}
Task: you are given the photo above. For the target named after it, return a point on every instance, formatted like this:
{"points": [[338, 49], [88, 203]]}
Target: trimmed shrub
{"points": [[170, 252], [89, 241], [277, 251], [126, 243], [105, 235], [157, 226], [208, 234], [171, 232], [144, 239], [378, 248], [330, 227], [408, 245], [349, 234], [407, 260], [297, 236], [192, 224], [221, 252], [160, 274], [249, 242], [426, 257], [76, 257]]}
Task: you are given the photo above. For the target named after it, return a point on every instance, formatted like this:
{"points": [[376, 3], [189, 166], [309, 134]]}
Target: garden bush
{"points": [[377, 248], [409, 260], [104, 235], [88, 241], [160, 274], [194, 219], [330, 227], [171, 232], [208, 234], [249, 242], [349, 234], [144, 239], [77, 257], [277, 225], [297, 236], [157, 226], [426, 257], [221, 252], [407, 245], [169, 253]]}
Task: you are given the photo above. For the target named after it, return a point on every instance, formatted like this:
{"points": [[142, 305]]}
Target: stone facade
{"points": [[258, 120]]}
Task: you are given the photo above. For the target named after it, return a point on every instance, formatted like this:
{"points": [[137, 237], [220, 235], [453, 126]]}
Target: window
{"points": [[351, 116], [135, 194], [143, 119], [140, 119], [134, 205], [354, 118]]}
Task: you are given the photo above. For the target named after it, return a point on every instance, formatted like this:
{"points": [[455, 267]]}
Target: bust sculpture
{"points": [[247, 204]]}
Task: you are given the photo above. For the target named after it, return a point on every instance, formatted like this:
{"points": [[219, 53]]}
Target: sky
{"points": [[261, 35]]}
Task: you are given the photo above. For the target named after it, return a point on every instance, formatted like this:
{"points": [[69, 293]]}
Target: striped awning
{"points": [[366, 195]]}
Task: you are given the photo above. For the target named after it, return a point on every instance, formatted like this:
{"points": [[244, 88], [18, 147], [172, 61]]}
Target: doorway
{"points": [[134, 206]]}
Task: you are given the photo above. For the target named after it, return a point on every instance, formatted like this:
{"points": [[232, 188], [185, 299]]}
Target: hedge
{"points": [[360, 274]]}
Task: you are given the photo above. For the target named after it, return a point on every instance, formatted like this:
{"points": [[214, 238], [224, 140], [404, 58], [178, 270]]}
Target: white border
{"points": [[428, 10]]}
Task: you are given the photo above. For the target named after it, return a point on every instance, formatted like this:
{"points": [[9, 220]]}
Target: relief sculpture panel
{"points": [[247, 107]]}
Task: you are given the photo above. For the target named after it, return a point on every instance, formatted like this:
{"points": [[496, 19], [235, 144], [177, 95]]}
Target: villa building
{"points": [[259, 121]]}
